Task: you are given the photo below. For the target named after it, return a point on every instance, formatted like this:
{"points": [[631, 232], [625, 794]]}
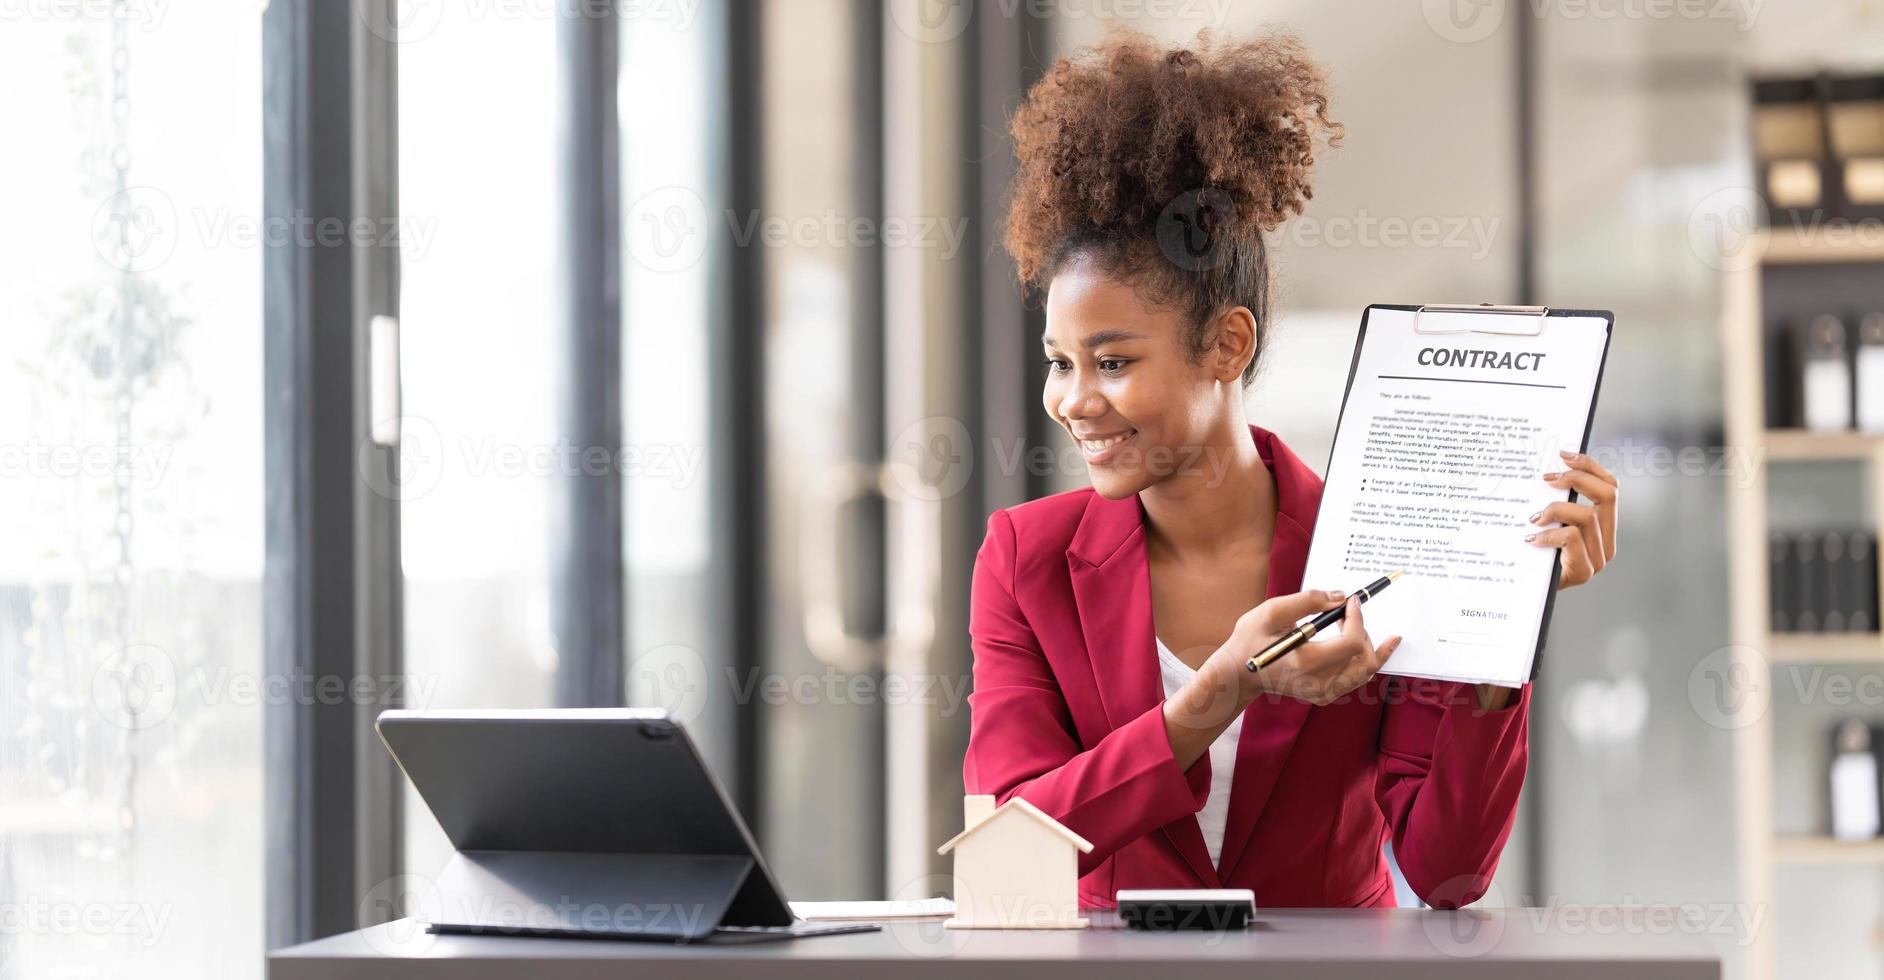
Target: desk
{"points": [[1340, 944]]}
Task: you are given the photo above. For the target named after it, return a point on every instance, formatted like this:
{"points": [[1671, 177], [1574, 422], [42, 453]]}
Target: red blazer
{"points": [[1067, 713]]}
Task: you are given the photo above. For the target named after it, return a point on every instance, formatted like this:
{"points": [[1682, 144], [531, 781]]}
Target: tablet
{"points": [[590, 822]]}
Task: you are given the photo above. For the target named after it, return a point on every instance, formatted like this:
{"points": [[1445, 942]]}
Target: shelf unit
{"points": [[1827, 850], [1756, 650]]}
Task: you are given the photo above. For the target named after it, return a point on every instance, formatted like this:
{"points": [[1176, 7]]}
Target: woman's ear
{"points": [[1235, 343]]}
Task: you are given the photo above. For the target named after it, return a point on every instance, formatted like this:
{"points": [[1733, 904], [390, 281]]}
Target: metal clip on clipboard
{"points": [[1442, 318]]}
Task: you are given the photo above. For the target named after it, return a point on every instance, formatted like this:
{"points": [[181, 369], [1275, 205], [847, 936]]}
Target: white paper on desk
{"points": [[1436, 469], [912, 909]]}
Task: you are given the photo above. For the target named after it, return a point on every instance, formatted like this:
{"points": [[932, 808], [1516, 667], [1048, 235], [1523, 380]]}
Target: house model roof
{"points": [[1084, 845]]}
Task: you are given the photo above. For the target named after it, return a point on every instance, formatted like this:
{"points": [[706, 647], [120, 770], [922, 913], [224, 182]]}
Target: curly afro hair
{"points": [[1165, 166]]}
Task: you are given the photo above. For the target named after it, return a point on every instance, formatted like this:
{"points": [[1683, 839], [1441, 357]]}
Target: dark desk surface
{"points": [[1376, 944]]}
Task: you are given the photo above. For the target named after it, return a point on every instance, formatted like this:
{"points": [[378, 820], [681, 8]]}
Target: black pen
{"points": [[1300, 635]]}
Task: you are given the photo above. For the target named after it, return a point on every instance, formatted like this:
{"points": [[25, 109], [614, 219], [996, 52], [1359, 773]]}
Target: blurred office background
{"points": [[662, 353]]}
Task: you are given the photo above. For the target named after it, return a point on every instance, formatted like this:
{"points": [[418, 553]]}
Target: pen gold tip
{"points": [[1394, 575]]}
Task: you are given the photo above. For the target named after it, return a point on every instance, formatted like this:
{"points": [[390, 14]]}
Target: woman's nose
{"points": [[1081, 400]]}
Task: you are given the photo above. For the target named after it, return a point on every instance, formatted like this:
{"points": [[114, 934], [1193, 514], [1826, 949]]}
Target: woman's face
{"points": [[1121, 381]]}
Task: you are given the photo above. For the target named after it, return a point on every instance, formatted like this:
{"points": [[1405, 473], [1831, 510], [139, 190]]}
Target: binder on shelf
{"points": [[1779, 583], [1861, 561], [1805, 591], [1835, 609]]}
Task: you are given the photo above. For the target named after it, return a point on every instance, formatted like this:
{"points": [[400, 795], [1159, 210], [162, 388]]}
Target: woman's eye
{"points": [[1054, 365], [1111, 365]]}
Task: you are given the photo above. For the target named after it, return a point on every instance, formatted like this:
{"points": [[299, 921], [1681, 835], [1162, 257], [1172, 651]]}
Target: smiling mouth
{"points": [[1101, 450]]}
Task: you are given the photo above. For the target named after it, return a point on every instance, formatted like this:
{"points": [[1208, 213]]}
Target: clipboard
{"points": [[1454, 319]]}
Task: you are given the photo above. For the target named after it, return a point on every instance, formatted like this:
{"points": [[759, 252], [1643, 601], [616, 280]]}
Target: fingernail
{"points": [[1552, 476], [1537, 518], [1567, 454], [1337, 596], [1530, 537]]}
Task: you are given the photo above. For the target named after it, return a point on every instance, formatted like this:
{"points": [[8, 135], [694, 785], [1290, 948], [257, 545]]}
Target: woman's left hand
{"points": [[1587, 538], [1588, 535]]}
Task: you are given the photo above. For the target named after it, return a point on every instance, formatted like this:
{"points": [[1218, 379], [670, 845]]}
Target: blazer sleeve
{"points": [[1022, 740], [1448, 784]]}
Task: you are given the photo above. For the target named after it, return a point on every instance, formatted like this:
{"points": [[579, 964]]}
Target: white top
{"points": [[1216, 812]]}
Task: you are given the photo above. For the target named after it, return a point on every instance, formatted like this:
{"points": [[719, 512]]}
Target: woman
{"points": [[1110, 625]]}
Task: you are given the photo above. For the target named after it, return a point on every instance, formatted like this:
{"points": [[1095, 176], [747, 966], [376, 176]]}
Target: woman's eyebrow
{"points": [[1098, 339]]}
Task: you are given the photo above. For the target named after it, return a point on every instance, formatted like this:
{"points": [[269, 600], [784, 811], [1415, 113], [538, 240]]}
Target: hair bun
{"points": [[1190, 146]]}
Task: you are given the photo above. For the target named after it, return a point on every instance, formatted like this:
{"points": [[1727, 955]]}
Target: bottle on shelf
{"points": [[1854, 782]]}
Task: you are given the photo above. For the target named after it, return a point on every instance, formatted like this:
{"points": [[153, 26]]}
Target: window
{"points": [[131, 694], [477, 199]]}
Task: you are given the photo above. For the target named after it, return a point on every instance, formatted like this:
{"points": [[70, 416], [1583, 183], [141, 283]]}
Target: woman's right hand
{"points": [[1316, 672]]}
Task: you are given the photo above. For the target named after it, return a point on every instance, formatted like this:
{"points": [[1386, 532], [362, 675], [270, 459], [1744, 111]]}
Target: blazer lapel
{"points": [[1271, 725], [1112, 588]]}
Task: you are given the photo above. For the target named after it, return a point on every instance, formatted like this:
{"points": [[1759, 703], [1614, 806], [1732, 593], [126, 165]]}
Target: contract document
{"points": [[1452, 415]]}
